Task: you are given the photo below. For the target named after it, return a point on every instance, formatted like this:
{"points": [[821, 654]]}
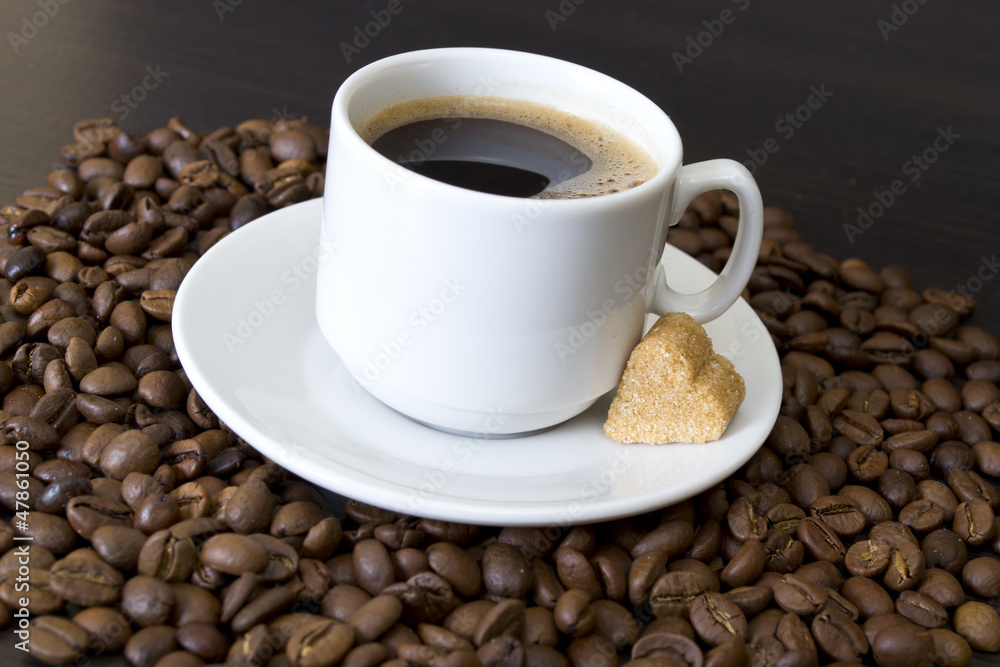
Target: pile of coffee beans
{"points": [[864, 530]]}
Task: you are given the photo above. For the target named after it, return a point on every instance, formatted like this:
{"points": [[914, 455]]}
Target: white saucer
{"points": [[246, 333]]}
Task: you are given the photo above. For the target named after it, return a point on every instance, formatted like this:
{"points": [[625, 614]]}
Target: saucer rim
{"points": [[351, 482]]}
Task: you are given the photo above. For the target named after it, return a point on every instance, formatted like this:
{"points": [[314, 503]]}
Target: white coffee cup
{"points": [[494, 315]]}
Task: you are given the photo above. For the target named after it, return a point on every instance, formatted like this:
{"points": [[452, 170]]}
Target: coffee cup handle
{"points": [[713, 301]]}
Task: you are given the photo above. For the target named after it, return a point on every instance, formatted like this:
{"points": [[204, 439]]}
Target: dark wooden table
{"points": [[903, 92]]}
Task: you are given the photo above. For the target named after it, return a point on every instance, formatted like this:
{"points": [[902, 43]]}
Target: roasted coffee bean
{"points": [[339, 603], [426, 598], [821, 541], [923, 610], [546, 587], [868, 558], [840, 513], [167, 557], [613, 621], [922, 516], [506, 573], [320, 644], [119, 546], [968, 485], [233, 554], [950, 455], [872, 506], [745, 520], [147, 600], [716, 619], [799, 596], [867, 596], [979, 625], [673, 592], [900, 645], [897, 487], [265, 606], [375, 616], [84, 579], [906, 567], [867, 463], [456, 566], [860, 427], [982, 576], [950, 649], [788, 438], [942, 586], [56, 640], [974, 522]]}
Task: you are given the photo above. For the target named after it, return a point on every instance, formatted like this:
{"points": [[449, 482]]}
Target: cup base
{"points": [[494, 423], [481, 436]]}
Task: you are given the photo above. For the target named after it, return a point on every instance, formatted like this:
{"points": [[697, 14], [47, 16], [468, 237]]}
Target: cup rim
{"points": [[667, 132]]}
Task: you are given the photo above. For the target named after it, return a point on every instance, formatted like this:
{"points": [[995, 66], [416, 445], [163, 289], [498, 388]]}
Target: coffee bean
{"points": [[716, 619], [84, 579], [979, 625], [673, 592], [982, 576], [321, 644], [950, 648], [974, 522], [613, 621], [375, 616], [506, 573], [872, 506], [745, 521], [867, 463], [922, 516], [839, 513], [108, 630], [167, 557], [56, 640], [233, 554], [268, 604], [799, 596], [820, 540], [906, 567], [148, 601], [870, 598], [839, 636], [941, 586], [902, 645]]}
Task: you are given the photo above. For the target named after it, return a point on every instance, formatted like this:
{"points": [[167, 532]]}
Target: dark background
{"points": [[894, 86]]}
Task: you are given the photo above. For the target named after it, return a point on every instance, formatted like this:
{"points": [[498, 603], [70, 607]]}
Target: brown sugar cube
{"points": [[675, 387]]}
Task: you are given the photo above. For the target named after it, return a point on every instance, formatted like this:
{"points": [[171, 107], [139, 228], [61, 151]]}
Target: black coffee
{"points": [[485, 154], [507, 147]]}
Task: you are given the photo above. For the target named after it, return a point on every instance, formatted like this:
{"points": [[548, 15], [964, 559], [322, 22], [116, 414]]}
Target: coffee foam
{"points": [[618, 163]]}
